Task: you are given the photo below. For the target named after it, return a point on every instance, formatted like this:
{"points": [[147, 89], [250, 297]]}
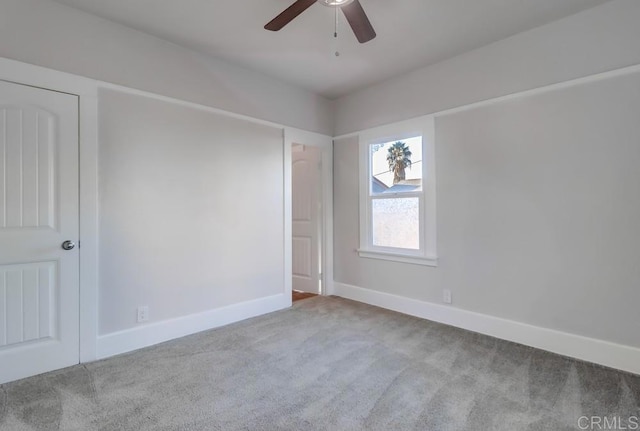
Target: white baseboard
{"points": [[154, 333], [601, 352]]}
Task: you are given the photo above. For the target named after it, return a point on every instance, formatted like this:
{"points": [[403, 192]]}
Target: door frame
{"points": [[325, 144], [87, 91]]}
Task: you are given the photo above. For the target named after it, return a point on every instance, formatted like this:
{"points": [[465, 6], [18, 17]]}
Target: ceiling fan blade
{"points": [[289, 14], [359, 21]]}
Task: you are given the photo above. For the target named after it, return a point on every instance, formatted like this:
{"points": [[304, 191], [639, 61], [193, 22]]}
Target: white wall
{"points": [[596, 40], [538, 207], [191, 210], [537, 196], [48, 34]]}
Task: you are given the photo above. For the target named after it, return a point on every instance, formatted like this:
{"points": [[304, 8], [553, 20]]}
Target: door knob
{"points": [[68, 245]]}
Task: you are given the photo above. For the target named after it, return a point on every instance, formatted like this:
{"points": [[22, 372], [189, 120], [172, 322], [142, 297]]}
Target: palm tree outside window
{"points": [[399, 158]]}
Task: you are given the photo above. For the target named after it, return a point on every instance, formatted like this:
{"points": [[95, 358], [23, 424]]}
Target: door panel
{"points": [[302, 257], [306, 227], [26, 291], [27, 160], [39, 282]]}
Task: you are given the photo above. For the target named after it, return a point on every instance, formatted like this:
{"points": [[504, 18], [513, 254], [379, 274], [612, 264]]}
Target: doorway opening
{"points": [[307, 221]]}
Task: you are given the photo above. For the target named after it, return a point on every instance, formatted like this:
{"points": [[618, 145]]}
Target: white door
{"points": [[39, 281], [305, 189]]}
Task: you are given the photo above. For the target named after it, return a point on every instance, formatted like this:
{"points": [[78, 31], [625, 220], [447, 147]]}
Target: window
{"points": [[397, 192]]}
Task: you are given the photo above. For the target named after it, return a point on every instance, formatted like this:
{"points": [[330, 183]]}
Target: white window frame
{"points": [[426, 255]]}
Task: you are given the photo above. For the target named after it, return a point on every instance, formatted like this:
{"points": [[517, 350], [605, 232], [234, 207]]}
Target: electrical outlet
{"points": [[143, 313], [446, 296]]}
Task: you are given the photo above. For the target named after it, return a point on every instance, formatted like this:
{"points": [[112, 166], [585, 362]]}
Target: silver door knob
{"points": [[68, 245]]}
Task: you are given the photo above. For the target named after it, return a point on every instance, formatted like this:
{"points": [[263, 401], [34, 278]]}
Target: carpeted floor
{"points": [[324, 364]]}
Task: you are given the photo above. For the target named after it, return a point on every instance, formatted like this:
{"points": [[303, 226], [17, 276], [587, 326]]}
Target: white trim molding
{"points": [[287, 275], [159, 332], [89, 236], [397, 257], [626, 70], [621, 357]]}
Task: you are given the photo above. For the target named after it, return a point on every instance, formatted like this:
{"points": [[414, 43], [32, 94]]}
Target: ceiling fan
{"points": [[352, 10]]}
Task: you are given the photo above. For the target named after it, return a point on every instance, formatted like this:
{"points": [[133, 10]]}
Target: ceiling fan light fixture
{"points": [[335, 3], [352, 10]]}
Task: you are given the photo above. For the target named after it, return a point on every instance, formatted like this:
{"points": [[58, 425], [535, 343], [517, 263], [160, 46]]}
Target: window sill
{"points": [[398, 257]]}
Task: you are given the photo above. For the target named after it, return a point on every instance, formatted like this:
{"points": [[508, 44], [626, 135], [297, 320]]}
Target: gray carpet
{"points": [[325, 364]]}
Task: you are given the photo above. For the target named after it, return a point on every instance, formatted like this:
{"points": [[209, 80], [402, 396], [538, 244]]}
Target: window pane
{"points": [[396, 166], [396, 222]]}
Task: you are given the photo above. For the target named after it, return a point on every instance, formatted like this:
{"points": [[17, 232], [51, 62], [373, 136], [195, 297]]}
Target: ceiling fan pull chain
{"points": [[335, 33]]}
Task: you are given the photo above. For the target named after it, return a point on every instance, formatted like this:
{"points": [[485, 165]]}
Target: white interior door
{"points": [[39, 281], [306, 225]]}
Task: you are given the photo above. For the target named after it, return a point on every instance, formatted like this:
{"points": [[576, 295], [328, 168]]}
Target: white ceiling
{"points": [[411, 33]]}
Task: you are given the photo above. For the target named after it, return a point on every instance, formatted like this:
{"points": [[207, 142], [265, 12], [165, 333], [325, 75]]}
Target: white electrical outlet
{"points": [[143, 313], [446, 296]]}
